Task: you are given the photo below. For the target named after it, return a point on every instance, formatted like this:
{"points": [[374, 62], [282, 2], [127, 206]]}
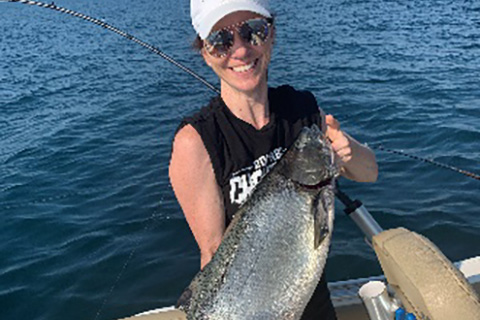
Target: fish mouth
{"points": [[317, 186]]}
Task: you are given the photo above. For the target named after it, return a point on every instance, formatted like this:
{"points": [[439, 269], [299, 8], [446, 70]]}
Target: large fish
{"points": [[274, 251]]}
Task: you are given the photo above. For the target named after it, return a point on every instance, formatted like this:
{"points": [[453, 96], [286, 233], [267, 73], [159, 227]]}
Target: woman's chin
{"points": [[247, 83]]}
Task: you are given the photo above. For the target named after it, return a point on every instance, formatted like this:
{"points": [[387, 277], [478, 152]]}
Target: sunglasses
{"points": [[253, 31]]}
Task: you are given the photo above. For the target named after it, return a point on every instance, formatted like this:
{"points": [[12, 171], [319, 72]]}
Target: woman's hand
{"points": [[355, 161], [340, 143]]}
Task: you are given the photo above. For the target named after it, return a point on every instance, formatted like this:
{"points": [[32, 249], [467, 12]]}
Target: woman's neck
{"points": [[251, 107]]}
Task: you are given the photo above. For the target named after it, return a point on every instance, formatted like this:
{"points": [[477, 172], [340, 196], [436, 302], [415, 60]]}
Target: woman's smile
{"points": [[246, 67]]}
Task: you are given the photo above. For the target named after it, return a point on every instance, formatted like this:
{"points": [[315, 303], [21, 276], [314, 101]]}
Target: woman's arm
{"points": [[193, 181], [356, 161]]}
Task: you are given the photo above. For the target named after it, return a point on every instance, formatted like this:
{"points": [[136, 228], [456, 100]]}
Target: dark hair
{"points": [[197, 44]]}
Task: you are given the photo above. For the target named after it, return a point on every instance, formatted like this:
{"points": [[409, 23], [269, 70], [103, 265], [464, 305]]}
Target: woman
{"points": [[224, 150]]}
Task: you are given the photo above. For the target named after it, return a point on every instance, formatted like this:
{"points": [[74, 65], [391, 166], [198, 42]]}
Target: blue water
{"points": [[90, 227]]}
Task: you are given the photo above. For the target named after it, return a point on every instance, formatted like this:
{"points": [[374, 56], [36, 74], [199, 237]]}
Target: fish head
{"points": [[310, 160]]}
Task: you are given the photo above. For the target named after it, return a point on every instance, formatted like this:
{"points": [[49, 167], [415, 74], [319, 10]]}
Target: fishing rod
{"points": [[179, 65], [168, 58], [122, 33]]}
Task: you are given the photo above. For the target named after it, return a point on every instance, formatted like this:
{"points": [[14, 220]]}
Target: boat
{"points": [[420, 279], [345, 298]]}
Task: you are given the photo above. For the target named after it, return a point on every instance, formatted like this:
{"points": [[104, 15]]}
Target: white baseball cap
{"points": [[206, 13]]}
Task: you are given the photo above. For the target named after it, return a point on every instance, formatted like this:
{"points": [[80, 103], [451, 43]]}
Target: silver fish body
{"points": [[274, 251]]}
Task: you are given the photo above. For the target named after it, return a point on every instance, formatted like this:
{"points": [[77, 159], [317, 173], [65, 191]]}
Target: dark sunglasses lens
{"points": [[254, 31], [218, 43]]}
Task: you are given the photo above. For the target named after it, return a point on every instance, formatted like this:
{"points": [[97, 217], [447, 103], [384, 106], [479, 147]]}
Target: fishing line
{"points": [[122, 33], [148, 223], [88, 192], [157, 51], [429, 161]]}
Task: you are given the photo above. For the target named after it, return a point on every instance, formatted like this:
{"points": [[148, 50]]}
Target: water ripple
{"points": [[89, 217]]}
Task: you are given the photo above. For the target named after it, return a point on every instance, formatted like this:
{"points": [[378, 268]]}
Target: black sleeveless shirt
{"points": [[241, 155]]}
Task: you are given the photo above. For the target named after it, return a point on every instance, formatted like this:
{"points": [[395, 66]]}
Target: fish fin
{"points": [[320, 218], [183, 303]]}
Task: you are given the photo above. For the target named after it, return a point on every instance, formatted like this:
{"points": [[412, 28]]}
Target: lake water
{"points": [[90, 227]]}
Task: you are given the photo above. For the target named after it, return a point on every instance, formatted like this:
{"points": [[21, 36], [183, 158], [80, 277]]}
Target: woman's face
{"points": [[244, 68]]}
